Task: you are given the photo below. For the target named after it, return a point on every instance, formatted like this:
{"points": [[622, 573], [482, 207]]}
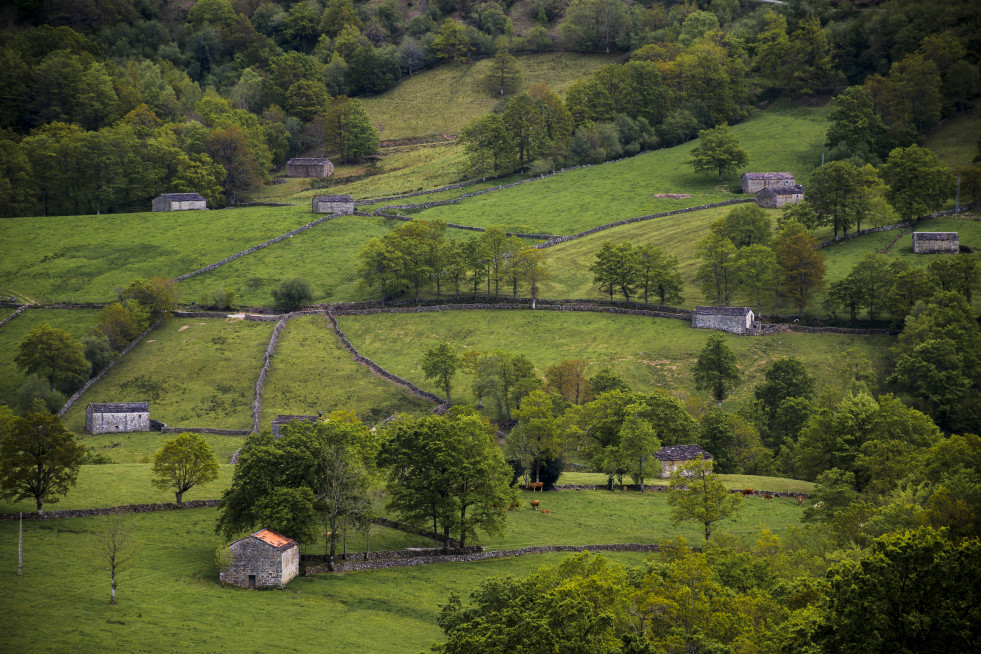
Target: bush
{"points": [[36, 390], [218, 298], [98, 351], [292, 294]]}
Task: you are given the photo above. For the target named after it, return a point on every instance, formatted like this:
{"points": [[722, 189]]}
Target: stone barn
{"points": [[263, 559], [738, 320], [179, 202], [309, 167], [936, 243], [342, 204], [675, 456], [753, 182], [118, 417], [279, 421], [774, 198]]}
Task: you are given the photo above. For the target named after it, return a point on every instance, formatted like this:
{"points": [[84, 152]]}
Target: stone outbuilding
{"points": [[774, 198], [281, 420], [342, 204], [737, 320], [936, 243], [753, 182], [675, 456], [117, 417], [179, 202], [309, 167], [262, 560]]}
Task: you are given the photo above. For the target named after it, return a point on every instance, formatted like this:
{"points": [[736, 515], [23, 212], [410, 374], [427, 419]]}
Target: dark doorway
{"points": [[252, 582]]}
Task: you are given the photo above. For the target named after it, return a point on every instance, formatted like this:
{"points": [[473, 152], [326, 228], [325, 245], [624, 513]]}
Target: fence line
{"points": [[19, 310], [270, 350]]}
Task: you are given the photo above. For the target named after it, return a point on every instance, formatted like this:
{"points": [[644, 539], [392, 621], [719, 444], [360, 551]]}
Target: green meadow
{"points": [[75, 322], [194, 372], [311, 371], [955, 142], [139, 447], [775, 484], [85, 258], [648, 352], [788, 139]]}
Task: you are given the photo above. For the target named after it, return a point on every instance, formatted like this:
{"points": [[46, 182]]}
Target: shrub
{"points": [[218, 298], [36, 390], [292, 294]]}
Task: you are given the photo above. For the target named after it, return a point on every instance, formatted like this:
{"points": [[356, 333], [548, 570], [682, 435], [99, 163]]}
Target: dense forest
{"points": [[106, 103]]}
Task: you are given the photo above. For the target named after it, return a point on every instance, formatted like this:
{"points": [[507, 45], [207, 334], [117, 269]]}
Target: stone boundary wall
{"points": [[843, 330], [270, 350], [663, 489], [19, 310], [352, 566], [413, 529], [74, 398], [885, 228], [126, 508], [254, 248], [201, 314], [402, 217], [387, 555], [412, 388], [206, 430]]}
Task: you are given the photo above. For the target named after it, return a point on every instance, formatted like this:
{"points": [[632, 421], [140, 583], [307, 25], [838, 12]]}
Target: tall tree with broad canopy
{"points": [[715, 370], [440, 363], [918, 181], [39, 459], [537, 438], [183, 463], [801, 263], [718, 150], [658, 273], [638, 445], [697, 495], [719, 272], [349, 131], [53, 354]]}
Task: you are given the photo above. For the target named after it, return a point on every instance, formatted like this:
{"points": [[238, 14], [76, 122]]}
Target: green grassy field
{"points": [[85, 258], [956, 141], [777, 139], [194, 372], [139, 447], [311, 371], [444, 99], [647, 352], [776, 484], [75, 322]]}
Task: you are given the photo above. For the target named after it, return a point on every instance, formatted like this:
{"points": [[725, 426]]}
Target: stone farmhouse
{"points": [[342, 204], [675, 456], [118, 417], [737, 320], [179, 202], [778, 196], [263, 559], [309, 167], [936, 242], [753, 182], [281, 420]]}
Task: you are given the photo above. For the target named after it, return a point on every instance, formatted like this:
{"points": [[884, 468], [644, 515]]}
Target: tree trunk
{"points": [[180, 496], [435, 530], [707, 531], [463, 528], [446, 539], [112, 594], [40, 504], [20, 547]]}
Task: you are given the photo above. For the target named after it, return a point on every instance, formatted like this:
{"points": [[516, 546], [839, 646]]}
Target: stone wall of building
{"points": [[271, 568], [340, 208], [732, 324], [106, 423], [948, 245], [309, 170]]}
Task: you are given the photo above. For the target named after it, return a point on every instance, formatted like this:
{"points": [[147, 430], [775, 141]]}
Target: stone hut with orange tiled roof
{"points": [[263, 559]]}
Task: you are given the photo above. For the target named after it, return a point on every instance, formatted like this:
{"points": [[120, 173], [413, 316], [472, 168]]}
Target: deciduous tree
{"points": [[715, 369], [718, 150], [918, 181], [440, 363], [53, 354], [39, 459], [801, 263], [115, 546], [697, 495], [183, 463]]}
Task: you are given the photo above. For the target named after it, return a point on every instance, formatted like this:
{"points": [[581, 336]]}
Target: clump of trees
{"points": [[634, 270]]}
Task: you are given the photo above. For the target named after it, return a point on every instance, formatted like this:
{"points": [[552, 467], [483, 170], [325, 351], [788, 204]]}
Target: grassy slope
{"points": [[777, 139], [77, 323], [201, 376], [775, 484], [312, 372], [140, 447], [84, 258], [647, 352], [446, 98], [956, 141]]}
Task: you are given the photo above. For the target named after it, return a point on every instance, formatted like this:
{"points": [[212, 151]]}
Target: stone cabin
{"points": [[281, 420], [737, 320], [936, 242], [309, 167], [753, 182], [118, 417], [263, 559], [673, 457], [774, 198], [342, 204], [179, 202]]}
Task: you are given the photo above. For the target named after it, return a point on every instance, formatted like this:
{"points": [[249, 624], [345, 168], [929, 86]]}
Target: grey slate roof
{"points": [[333, 198], [119, 407], [768, 175], [783, 190], [682, 453], [308, 161], [283, 419], [934, 236], [722, 311], [183, 197]]}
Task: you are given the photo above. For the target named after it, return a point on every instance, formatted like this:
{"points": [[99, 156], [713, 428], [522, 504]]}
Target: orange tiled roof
{"points": [[272, 538]]}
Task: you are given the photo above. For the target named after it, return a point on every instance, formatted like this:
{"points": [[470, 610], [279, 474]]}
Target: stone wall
{"points": [[205, 430], [270, 350], [125, 508], [19, 310], [269, 566]]}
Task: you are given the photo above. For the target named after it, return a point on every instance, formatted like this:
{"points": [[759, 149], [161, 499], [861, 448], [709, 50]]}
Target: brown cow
{"points": [[537, 485], [800, 500], [747, 491], [767, 496], [534, 504], [546, 512]]}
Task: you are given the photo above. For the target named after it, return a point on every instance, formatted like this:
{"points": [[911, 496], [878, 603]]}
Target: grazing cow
{"points": [[534, 504], [747, 491], [537, 485], [767, 496], [546, 511], [800, 500]]}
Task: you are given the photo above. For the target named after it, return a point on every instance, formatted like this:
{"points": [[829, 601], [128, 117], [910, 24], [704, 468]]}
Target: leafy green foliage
{"points": [[54, 355], [39, 458], [718, 150], [716, 370], [293, 294], [697, 495], [183, 463]]}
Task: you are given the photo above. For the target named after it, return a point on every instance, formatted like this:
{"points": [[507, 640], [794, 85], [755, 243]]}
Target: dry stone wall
{"points": [[126, 508], [19, 310], [270, 350]]}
